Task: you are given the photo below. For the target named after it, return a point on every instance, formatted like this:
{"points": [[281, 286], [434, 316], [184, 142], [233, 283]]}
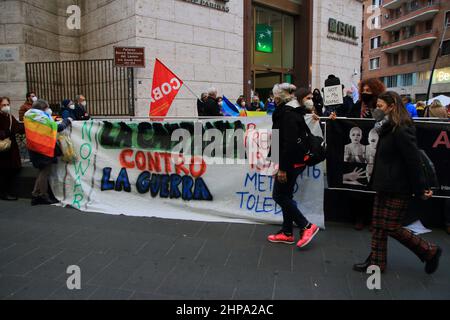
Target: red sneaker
{"points": [[308, 235], [281, 237]]}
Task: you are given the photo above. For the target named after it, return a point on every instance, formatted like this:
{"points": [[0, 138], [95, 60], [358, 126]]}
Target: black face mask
{"points": [[367, 98]]}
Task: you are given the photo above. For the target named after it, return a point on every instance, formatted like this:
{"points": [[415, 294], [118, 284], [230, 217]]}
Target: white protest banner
{"points": [[333, 95], [132, 168]]}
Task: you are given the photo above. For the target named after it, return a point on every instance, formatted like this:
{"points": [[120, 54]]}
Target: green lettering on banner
{"points": [[83, 164]]}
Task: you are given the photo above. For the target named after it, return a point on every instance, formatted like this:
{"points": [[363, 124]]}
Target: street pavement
{"points": [[156, 259]]}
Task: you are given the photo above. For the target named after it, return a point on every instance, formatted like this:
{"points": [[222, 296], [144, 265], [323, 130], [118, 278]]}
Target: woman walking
{"points": [[10, 162], [397, 176], [291, 123]]}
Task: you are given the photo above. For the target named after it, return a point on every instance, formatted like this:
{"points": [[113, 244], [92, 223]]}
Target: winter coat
{"points": [[10, 159], [398, 166], [212, 108], [291, 125]]}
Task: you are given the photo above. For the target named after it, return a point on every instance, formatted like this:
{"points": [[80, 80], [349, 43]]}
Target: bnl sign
{"points": [[342, 29]]}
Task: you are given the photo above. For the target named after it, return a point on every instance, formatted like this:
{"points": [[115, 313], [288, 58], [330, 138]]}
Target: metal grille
{"points": [[108, 89]]}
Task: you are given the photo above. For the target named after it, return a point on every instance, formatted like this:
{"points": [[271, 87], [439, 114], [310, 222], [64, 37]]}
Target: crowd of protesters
{"points": [[39, 125], [288, 105]]}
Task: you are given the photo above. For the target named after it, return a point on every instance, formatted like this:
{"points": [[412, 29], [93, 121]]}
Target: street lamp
{"points": [[447, 22]]}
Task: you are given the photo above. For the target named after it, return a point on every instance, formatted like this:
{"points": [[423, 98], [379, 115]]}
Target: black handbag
{"points": [[431, 179], [316, 149]]}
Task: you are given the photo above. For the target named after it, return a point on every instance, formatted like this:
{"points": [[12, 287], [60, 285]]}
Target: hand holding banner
{"points": [[166, 86]]}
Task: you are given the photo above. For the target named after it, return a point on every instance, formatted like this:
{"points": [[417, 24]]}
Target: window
{"points": [[376, 23], [407, 80], [429, 25], [426, 53], [375, 42], [376, 3], [447, 18], [394, 59], [410, 56], [395, 36], [391, 81], [413, 5], [374, 64], [445, 48], [410, 31]]}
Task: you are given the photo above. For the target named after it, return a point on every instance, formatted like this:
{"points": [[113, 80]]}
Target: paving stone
{"points": [[109, 294], [30, 262], [219, 283], [118, 272], [183, 280], [293, 286], [65, 294], [150, 275], [11, 284], [185, 249], [37, 289]]}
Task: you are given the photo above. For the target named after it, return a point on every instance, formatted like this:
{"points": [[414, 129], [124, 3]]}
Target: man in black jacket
{"points": [[212, 108]]}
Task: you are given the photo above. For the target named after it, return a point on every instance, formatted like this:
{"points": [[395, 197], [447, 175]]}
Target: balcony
{"points": [[417, 40], [413, 15], [393, 4]]}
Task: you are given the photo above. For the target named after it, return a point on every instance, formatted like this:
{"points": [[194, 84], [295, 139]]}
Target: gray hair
{"points": [[77, 97], [40, 104], [284, 91], [212, 91]]}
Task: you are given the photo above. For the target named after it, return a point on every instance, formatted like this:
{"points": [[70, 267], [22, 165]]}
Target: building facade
{"points": [[401, 41], [238, 46]]}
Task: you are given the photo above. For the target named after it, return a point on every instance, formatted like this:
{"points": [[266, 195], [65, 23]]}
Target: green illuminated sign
{"points": [[264, 38]]}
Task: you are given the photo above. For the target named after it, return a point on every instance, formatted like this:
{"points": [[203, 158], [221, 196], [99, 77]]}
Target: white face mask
{"points": [[309, 105], [6, 109], [83, 103], [72, 107], [49, 112], [34, 99]]}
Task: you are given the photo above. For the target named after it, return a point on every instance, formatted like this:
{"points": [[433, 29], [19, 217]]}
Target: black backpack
{"points": [[431, 179], [314, 146]]}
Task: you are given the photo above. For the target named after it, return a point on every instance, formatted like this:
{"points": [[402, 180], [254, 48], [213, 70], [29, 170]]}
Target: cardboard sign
{"points": [[333, 95]]}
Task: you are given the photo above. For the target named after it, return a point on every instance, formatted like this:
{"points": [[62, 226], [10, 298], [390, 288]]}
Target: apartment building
{"points": [[400, 42]]}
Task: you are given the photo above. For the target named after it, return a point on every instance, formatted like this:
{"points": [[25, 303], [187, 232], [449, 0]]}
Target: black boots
{"points": [[432, 265], [362, 267], [36, 201]]}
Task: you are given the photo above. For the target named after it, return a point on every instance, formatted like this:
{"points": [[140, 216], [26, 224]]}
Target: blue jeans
{"points": [[283, 194]]}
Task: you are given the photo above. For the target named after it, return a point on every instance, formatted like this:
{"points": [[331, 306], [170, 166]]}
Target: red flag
{"points": [[166, 86]]}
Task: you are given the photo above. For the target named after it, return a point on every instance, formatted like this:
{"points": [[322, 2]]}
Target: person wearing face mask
{"points": [[41, 131], [30, 99], [369, 90], [68, 110], [304, 99], [80, 109], [291, 124], [318, 102], [10, 162], [397, 176], [360, 204]]}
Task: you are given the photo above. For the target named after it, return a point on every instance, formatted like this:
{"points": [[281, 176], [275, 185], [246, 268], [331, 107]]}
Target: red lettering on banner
{"points": [[167, 162], [154, 162], [442, 140], [197, 173], [173, 163], [124, 156], [179, 165], [140, 161]]}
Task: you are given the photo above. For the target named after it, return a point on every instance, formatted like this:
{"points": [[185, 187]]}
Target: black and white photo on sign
{"points": [[359, 159]]}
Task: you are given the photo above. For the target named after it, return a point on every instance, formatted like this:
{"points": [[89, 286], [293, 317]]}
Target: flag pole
{"points": [[191, 91]]}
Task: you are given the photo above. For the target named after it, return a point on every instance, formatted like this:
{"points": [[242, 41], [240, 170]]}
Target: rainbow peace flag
{"points": [[40, 132]]}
